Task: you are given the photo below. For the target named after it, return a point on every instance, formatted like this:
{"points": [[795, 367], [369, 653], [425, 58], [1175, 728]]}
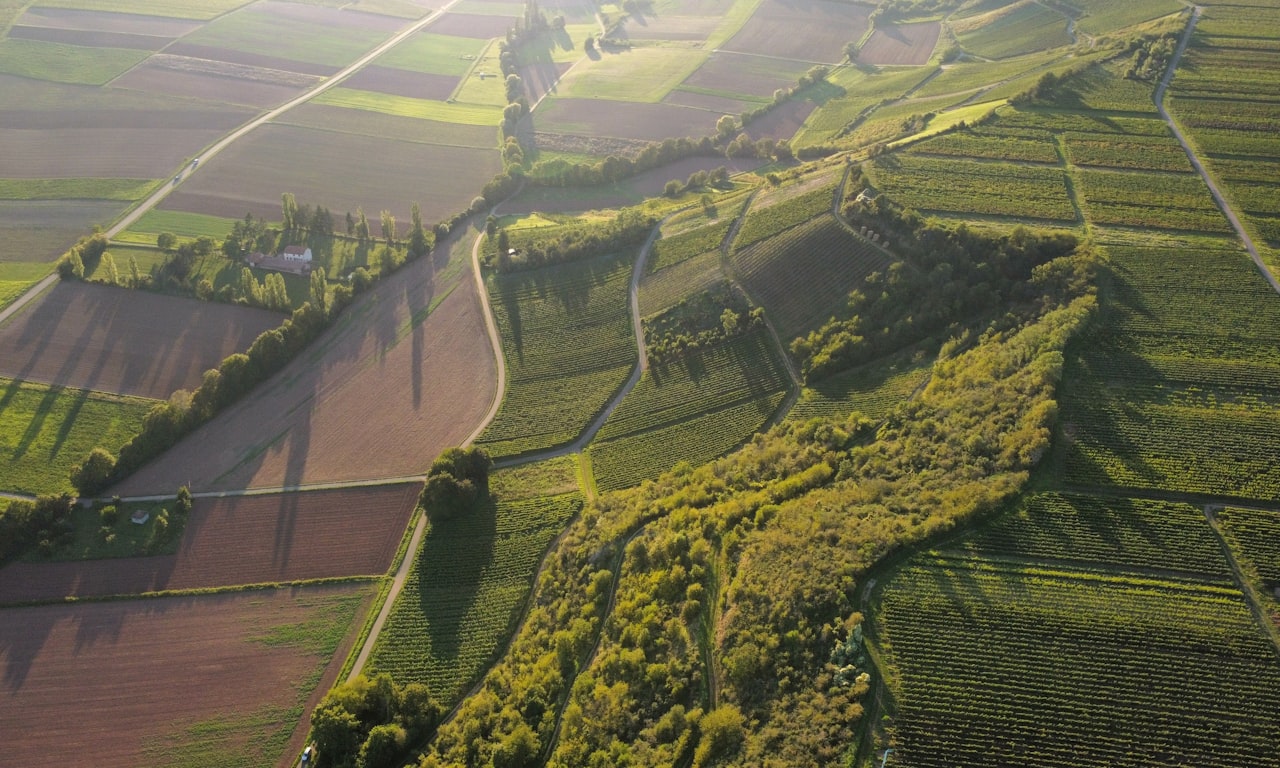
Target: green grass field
{"points": [[45, 431], [638, 74], [468, 584], [434, 54], [61, 63], [466, 114], [484, 85], [959, 187], [76, 189], [17, 276], [306, 41], [1030, 27], [567, 339], [182, 9], [1104, 16], [184, 225]]}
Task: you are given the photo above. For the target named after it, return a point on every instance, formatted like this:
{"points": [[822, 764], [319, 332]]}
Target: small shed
{"points": [[139, 517]]}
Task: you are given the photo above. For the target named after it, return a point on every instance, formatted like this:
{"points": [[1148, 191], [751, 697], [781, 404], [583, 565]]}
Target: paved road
{"points": [[1195, 160]]}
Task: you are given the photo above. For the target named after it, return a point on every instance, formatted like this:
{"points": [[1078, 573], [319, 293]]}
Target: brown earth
{"points": [[90, 38], [127, 342], [338, 170], [736, 73], [782, 121], [623, 120], [402, 82], [242, 540], [104, 21], [722, 105], [41, 230], [472, 25], [642, 27], [901, 44], [232, 56], [129, 153], [804, 30], [378, 396], [370, 124], [99, 683], [153, 78], [99, 120]]}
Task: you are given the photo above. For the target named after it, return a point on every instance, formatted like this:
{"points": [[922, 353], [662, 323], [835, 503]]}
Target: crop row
{"points": [[872, 390], [670, 251], [1212, 360], [1255, 535], [991, 144], [1240, 21], [1114, 532], [1155, 153], [804, 275], [1081, 122], [567, 340], [1173, 201], [1022, 666], [989, 189], [467, 584], [766, 222], [660, 291]]}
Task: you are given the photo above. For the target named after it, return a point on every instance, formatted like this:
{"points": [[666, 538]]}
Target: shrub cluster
{"points": [[367, 723], [458, 484]]}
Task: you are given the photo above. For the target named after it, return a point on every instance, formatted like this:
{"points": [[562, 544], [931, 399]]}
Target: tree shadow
{"points": [[455, 556]]}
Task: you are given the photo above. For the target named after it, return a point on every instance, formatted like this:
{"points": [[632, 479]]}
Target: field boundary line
{"points": [[397, 585], [1246, 587], [1218, 198]]}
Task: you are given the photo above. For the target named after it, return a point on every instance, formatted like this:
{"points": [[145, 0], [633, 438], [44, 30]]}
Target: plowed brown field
{"points": [[379, 396], [126, 684], [242, 540], [805, 30], [128, 342], [905, 44]]}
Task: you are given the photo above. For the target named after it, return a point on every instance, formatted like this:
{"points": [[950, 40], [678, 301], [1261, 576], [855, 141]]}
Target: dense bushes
{"points": [[538, 248], [367, 723], [457, 484], [44, 522]]}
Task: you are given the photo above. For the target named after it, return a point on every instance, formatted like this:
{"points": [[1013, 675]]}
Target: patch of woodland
{"points": [[698, 322]]}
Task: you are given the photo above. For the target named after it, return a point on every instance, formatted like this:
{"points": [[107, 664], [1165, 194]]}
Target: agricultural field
{"points": [[662, 290], [1012, 30], [995, 658], [732, 76], [989, 189], [372, 124], [899, 44], [777, 210], [1145, 153], [469, 582], [992, 143], [1149, 200], [264, 539], [692, 409], [803, 275], [17, 277], [873, 390], [804, 30], [857, 93], [1254, 535], [45, 431], [673, 249], [114, 340], [121, 676], [406, 373], [567, 338], [623, 120], [640, 74], [1102, 16]]}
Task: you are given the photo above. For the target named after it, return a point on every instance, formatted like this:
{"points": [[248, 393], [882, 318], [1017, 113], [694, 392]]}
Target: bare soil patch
{"points": [[394, 390], [472, 25], [805, 30], [154, 78], [107, 119], [624, 120], [108, 679], [41, 230], [723, 105], [738, 73], [782, 121], [540, 78], [901, 44], [402, 82], [128, 153], [104, 21], [641, 27], [377, 124], [231, 56], [127, 342], [242, 540], [90, 38], [337, 170]]}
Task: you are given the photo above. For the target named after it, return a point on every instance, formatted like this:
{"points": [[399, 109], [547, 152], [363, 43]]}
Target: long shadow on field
{"points": [[455, 556], [23, 632]]}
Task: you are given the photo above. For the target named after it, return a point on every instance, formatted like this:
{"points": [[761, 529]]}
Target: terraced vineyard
{"points": [[767, 218], [466, 588], [804, 274], [959, 187], [568, 344], [660, 291], [993, 144], [1168, 201], [1254, 535], [693, 410]]}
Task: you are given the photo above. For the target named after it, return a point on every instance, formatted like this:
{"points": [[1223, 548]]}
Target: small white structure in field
{"points": [[140, 517], [296, 253]]}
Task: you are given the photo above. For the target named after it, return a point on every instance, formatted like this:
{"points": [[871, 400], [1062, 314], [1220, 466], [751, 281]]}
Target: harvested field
{"points": [[539, 78], [232, 56], [734, 73], [127, 342], [366, 123], [640, 27], [900, 44], [149, 682], [210, 119], [242, 540], [623, 120], [402, 82], [804, 30], [781, 122], [475, 25], [90, 38], [298, 32], [341, 18], [102, 21], [153, 78], [336, 170], [136, 153], [41, 230], [722, 105], [394, 390]]}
